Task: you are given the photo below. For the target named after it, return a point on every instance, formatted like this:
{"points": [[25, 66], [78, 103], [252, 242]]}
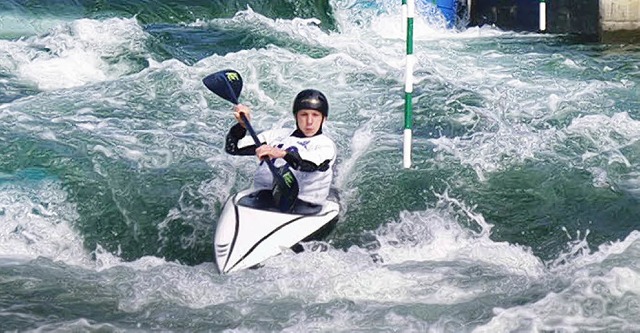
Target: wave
{"points": [[165, 11]]}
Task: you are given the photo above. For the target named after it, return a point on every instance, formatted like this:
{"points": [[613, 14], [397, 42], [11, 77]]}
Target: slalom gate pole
{"points": [[543, 15], [408, 7]]}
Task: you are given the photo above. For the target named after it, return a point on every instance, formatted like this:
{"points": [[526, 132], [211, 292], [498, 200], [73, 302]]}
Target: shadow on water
{"points": [[531, 204], [122, 208]]}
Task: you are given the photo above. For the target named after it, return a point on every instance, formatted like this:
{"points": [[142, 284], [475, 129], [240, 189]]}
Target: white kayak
{"points": [[249, 231]]}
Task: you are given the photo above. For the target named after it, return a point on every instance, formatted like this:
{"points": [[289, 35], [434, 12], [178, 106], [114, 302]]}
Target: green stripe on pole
{"points": [[410, 35], [408, 110], [408, 117]]}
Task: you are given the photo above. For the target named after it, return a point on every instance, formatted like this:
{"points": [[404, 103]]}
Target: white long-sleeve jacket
{"points": [[310, 158]]}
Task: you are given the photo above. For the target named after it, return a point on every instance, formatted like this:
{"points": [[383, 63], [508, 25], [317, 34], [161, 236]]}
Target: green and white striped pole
{"points": [[543, 15], [408, 9]]}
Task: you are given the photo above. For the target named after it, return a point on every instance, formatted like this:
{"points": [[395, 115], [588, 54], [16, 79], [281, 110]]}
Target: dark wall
{"points": [[574, 16], [563, 16], [519, 15]]}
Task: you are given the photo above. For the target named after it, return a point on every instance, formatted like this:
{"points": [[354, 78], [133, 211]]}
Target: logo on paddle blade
{"points": [[232, 76]]}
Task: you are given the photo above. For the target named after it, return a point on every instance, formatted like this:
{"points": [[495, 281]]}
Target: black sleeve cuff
{"points": [[296, 162], [237, 131]]}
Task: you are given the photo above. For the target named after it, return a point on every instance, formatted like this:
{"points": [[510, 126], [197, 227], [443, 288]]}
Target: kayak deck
{"points": [[250, 230]]}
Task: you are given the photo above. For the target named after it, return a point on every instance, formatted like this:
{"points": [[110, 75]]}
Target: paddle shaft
{"points": [[253, 134]]}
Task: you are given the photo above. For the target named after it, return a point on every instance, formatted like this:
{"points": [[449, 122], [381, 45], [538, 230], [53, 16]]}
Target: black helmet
{"points": [[311, 99]]}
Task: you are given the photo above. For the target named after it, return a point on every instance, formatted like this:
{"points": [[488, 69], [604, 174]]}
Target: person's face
{"points": [[309, 121]]}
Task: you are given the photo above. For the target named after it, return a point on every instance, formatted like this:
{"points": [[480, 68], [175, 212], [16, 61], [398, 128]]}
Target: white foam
{"points": [[601, 302], [36, 220], [439, 235], [488, 152], [76, 53]]}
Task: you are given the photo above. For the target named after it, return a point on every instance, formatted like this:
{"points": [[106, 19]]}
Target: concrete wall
{"points": [[603, 20], [620, 20]]}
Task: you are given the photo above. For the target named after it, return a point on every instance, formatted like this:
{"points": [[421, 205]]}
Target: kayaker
{"points": [[308, 152]]}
